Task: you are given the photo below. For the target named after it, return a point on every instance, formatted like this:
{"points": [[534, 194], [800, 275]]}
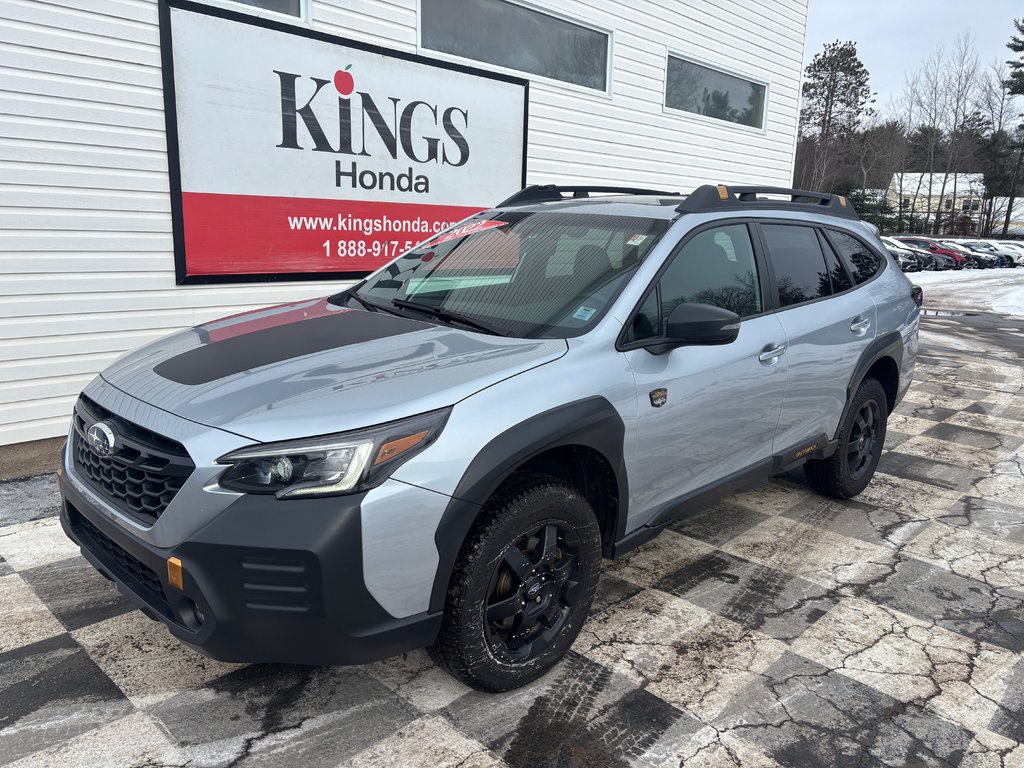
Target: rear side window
{"points": [[798, 262], [864, 262], [836, 271]]}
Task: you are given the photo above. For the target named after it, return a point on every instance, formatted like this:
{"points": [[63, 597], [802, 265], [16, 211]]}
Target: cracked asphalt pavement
{"points": [[778, 629]]}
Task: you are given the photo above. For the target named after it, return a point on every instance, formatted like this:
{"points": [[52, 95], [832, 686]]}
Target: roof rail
{"points": [[545, 193], [716, 198]]}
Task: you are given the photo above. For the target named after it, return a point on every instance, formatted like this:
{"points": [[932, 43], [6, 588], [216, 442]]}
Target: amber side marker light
{"points": [[175, 576], [723, 192], [842, 201], [394, 447]]}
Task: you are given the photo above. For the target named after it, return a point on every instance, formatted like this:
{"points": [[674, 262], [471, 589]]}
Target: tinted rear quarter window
{"points": [[798, 262], [864, 263], [836, 271]]}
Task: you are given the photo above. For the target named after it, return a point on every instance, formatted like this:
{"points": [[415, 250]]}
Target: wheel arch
{"points": [[881, 360], [581, 443]]}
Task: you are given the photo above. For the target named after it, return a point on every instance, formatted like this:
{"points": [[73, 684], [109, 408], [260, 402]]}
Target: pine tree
{"points": [[1015, 85], [1016, 80], [836, 97]]}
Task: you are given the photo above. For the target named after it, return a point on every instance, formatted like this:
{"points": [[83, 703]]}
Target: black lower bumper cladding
{"points": [[265, 581]]}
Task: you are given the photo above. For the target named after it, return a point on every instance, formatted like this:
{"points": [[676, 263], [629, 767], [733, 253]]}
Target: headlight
{"points": [[333, 464]]}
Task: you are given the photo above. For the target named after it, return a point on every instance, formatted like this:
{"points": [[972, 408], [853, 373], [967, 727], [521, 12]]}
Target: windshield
{"points": [[543, 274]]}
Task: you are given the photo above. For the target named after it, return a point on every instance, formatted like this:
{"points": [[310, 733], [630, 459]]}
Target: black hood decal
{"points": [[265, 346]]}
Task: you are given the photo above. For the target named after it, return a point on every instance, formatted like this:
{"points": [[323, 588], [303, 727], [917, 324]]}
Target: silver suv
{"points": [[441, 455]]}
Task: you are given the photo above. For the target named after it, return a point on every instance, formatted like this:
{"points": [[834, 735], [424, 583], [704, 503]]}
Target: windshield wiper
{"points": [[373, 306], [450, 315], [367, 304]]}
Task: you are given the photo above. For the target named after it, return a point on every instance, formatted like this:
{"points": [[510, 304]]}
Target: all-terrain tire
{"points": [[466, 646], [849, 470]]}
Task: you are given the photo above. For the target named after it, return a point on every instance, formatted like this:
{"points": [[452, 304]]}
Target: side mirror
{"points": [[702, 324]]}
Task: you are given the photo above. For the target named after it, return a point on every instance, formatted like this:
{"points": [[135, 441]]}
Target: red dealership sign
{"points": [[297, 154]]}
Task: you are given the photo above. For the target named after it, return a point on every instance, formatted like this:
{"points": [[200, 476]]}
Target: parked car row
{"points": [[915, 253], [1007, 252], [914, 259]]}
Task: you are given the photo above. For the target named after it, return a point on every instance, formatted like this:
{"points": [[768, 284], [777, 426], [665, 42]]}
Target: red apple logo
{"points": [[343, 81]]}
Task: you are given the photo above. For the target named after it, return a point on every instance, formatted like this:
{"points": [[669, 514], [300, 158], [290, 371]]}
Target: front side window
{"points": [[715, 266], [524, 274], [509, 35], [705, 91], [798, 262], [862, 260]]}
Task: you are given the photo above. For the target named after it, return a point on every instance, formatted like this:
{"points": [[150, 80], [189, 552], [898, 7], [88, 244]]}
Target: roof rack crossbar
{"points": [[545, 193], [721, 197]]}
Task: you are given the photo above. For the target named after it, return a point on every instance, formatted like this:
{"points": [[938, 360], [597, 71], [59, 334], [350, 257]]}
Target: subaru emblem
{"points": [[101, 439]]}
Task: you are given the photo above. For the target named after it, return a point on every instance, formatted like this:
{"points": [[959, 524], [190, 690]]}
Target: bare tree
{"points": [[930, 104], [905, 111], [993, 98], [961, 85]]}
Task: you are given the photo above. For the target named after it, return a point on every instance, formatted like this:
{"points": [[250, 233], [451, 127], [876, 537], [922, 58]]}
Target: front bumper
{"points": [[271, 584]]}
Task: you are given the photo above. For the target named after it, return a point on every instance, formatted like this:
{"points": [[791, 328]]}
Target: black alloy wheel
{"points": [[522, 585], [861, 444], [860, 438], [533, 591]]}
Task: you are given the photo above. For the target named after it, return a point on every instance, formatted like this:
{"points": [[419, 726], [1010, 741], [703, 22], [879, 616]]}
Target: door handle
{"points": [[860, 324], [770, 355]]}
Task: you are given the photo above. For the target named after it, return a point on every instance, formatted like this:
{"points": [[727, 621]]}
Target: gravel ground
{"points": [[779, 628]]}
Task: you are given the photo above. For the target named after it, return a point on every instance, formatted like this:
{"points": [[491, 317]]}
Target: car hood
{"points": [[313, 368]]}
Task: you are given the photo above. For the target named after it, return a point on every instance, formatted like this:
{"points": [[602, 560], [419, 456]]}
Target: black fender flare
{"points": [[886, 345], [592, 422]]}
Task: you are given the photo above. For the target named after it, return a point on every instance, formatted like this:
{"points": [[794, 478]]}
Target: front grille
{"points": [[138, 576], [145, 470]]}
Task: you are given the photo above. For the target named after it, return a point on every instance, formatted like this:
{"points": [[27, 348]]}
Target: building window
{"points": [[513, 36], [284, 7], [704, 91]]}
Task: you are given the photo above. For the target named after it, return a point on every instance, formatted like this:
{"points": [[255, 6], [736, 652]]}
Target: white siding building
{"points": [[87, 265]]}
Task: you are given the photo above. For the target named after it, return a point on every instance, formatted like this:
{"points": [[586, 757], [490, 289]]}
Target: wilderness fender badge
{"points": [[659, 397]]}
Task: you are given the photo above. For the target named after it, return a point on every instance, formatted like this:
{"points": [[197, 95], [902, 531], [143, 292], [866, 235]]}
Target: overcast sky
{"points": [[894, 36]]}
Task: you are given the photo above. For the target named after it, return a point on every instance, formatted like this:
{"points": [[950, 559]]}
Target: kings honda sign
{"points": [[297, 154]]}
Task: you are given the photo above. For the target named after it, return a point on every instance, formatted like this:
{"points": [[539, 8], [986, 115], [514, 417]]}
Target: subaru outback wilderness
{"points": [[441, 454]]}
